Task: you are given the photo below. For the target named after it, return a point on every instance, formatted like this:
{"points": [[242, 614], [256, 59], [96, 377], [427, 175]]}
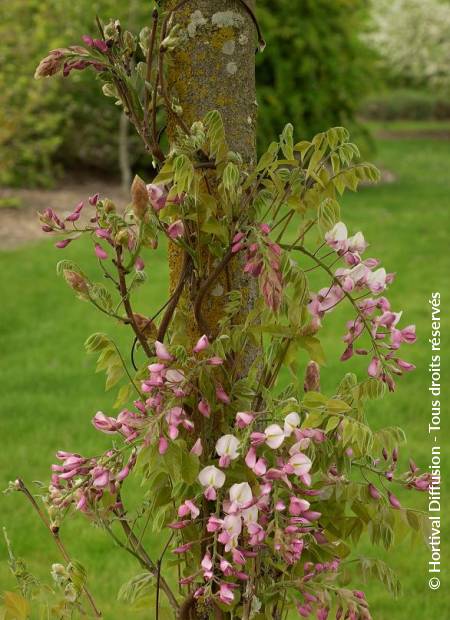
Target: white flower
{"points": [[291, 421], [357, 243], [301, 464], [228, 446], [376, 280], [299, 446], [174, 376], [211, 476], [337, 237], [250, 515], [241, 494], [274, 436], [232, 525]]}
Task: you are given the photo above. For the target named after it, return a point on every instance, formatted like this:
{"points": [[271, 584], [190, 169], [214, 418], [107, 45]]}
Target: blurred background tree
{"points": [[314, 70], [320, 68]]}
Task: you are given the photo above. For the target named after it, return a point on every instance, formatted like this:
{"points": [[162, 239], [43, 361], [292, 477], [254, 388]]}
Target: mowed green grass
{"points": [[49, 391]]}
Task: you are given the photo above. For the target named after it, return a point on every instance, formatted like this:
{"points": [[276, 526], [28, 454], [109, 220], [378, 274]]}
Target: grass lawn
{"points": [[49, 392]]}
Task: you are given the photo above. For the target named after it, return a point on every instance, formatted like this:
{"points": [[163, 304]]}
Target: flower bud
{"points": [[312, 377], [139, 197], [76, 281]]}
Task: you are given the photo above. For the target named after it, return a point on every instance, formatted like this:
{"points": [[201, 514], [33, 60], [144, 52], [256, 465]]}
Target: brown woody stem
{"points": [[55, 535]]}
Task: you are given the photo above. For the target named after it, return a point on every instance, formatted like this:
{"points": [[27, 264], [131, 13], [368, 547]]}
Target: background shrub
{"points": [[314, 70], [407, 104]]}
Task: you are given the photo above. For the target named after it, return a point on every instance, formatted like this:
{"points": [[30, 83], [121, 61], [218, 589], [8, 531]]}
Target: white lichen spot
{"points": [[249, 120], [197, 20], [227, 19], [217, 291], [231, 68], [228, 47], [243, 38]]}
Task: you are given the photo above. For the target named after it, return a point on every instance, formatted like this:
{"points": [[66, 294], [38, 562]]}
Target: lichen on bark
{"points": [[214, 69]]}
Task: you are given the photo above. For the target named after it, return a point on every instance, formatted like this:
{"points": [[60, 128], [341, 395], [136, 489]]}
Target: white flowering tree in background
{"points": [[413, 38]]}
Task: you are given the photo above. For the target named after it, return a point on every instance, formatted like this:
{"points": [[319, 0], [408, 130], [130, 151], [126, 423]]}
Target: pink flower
{"points": [[197, 448], [405, 366], [244, 418], [408, 334], [202, 344], [176, 229], [336, 238], [374, 367], [100, 252], [161, 352], [226, 593], [222, 395], [207, 566], [105, 424], [297, 506], [157, 196], [188, 508], [94, 199], [100, 476]]}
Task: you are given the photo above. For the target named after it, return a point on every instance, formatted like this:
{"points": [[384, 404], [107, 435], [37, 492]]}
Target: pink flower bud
{"points": [[94, 199], [139, 264], [163, 444], [161, 352], [202, 344], [373, 492], [394, 502], [204, 408], [197, 448], [222, 395], [63, 244], [100, 252], [215, 361]]}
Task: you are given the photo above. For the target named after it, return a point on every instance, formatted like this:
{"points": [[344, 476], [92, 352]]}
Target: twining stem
{"points": [[126, 302], [55, 535], [175, 298], [145, 558], [204, 289]]}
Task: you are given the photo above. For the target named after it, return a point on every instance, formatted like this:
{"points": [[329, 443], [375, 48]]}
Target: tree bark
{"points": [[215, 70]]}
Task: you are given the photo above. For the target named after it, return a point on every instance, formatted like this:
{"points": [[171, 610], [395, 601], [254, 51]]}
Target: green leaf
{"points": [[287, 142], [328, 214], [16, 606], [215, 133], [189, 467]]}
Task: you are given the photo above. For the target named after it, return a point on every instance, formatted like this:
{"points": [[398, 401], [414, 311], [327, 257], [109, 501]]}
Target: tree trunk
{"points": [[215, 70]]}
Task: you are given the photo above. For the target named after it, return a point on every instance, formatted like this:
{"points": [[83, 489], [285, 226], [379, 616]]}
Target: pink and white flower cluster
{"points": [[374, 314], [83, 481], [269, 511]]}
